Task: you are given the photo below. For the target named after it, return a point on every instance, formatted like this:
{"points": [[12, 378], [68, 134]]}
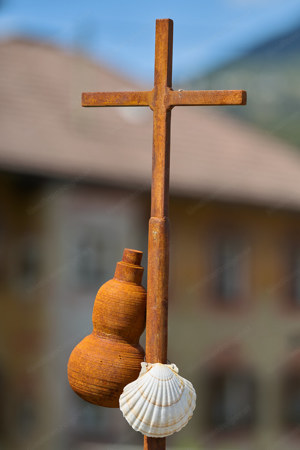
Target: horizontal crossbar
{"points": [[143, 98], [207, 98], [172, 98]]}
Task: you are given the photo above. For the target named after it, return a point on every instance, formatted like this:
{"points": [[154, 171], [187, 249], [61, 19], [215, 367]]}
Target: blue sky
{"points": [[121, 32]]}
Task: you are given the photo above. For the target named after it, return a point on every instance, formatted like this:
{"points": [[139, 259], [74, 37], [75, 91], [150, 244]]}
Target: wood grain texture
{"points": [[103, 363]]}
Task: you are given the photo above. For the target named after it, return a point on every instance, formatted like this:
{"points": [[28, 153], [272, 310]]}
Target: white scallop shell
{"points": [[159, 402]]}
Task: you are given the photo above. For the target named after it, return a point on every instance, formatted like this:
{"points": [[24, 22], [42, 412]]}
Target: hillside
{"points": [[271, 75]]}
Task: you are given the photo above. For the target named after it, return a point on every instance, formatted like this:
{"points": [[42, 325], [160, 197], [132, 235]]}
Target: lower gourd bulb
{"points": [[159, 402]]}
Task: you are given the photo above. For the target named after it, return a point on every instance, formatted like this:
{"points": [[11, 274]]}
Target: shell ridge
{"points": [[143, 410], [183, 411], [183, 418], [131, 395], [130, 401], [159, 375], [129, 392], [175, 391], [152, 393], [151, 410], [139, 387], [130, 386], [149, 421]]}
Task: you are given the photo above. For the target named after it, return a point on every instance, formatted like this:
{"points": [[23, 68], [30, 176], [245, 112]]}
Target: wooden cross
{"points": [[161, 100]]}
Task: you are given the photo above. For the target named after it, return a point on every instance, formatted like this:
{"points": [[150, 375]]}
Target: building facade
{"points": [[76, 192]]}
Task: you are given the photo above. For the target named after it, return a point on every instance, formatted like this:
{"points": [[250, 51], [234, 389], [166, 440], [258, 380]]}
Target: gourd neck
{"points": [[129, 269]]}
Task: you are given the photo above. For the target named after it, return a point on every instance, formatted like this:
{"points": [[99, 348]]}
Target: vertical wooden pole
{"points": [[158, 244]]}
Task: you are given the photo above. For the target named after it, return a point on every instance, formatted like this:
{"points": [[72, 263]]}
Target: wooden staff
{"points": [[161, 100]]}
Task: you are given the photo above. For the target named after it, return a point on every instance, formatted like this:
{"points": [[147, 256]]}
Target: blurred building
{"points": [[75, 192]]}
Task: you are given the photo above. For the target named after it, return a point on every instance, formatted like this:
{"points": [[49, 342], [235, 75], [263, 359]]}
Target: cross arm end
{"points": [[143, 98], [207, 98]]}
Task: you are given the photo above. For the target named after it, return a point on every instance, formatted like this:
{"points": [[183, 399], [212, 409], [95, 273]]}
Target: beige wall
{"points": [[258, 332]]}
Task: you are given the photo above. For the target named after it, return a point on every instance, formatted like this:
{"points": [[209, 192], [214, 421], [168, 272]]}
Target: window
{"points": [[291, 398], [230, 269], [91, 423], [26, 265], [91, 247], [29, 262], [293, 276], [230, 400]]}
